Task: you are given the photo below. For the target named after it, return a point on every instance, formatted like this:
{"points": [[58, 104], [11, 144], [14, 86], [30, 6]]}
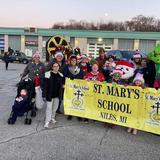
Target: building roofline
{"points": [[81, 33]]}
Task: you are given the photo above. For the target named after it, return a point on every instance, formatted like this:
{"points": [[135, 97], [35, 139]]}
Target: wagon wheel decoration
{"points": [[54, 43]]}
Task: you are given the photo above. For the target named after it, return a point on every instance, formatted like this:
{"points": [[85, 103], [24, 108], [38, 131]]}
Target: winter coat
{"points": [[21, 106], [6, 58], [98, 77], [53, 85], [71, 73], [85, 68], [33, 70]]}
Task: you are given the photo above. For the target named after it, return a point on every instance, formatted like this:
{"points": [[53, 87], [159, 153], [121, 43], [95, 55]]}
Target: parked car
{"points": [[20, 57], [124, 54]]}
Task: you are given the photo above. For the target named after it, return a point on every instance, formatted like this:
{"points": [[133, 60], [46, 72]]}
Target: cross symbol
{"points": [[157, 106], [78, 94]]}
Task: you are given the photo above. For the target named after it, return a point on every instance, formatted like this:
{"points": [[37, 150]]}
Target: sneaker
{"points": [[59, 112], [85, 120], [112, 126], [69, 117], [53, 121], [79, 119], [129, 130], [46, 125], [134, 131]]}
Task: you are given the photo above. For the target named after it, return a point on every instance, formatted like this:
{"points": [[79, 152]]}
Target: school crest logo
{"points": [[77, 101], [155, 113], [153, 110]]}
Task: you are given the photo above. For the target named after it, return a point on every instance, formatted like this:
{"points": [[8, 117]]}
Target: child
{"points": [[53, 89], [109, 66], [116, 76], [139, 82], [73, 71], [94, 75], [23, 95], [20, 105], [115, 79], [84, 65], [137, 58]]}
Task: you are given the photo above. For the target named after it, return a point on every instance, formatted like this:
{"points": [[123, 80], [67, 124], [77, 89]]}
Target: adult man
{"points": [[6, 59]]}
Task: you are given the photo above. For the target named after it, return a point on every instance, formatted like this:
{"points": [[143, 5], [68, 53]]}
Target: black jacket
{"points": [[6, 58], [53, 85]]}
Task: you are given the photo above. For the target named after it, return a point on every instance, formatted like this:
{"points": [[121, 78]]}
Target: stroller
{"points": [[24, 105]]}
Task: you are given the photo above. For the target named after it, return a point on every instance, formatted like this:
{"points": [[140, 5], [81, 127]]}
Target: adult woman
{"points": [[35, 68], [35, 71]]}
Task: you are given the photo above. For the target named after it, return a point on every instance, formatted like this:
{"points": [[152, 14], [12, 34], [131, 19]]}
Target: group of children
{"points": [[132, 72], [105, 68]]}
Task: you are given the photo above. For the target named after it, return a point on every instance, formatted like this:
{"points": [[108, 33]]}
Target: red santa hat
{"points": [[124, 63], [138, 77], [58, 53], [83, 56], [137, 55]]}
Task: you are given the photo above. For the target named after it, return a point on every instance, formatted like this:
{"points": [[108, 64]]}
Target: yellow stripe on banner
{"points": [[126, 106]]}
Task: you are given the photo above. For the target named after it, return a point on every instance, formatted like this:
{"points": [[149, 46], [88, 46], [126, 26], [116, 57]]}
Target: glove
{"points": [[71, 78]]}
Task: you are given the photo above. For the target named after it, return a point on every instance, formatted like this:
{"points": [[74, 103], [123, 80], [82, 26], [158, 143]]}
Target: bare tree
{"points": [[142, 23], [58, 25], [138, 23]]}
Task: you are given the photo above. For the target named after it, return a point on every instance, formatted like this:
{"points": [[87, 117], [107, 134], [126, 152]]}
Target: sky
{"points": [[44, 13]]}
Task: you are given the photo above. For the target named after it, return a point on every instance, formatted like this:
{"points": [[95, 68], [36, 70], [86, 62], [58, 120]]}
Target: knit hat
{"points": [[95, 62], [137, 55], [83, 56], [36, 54], [138, 77], [58, 53]]}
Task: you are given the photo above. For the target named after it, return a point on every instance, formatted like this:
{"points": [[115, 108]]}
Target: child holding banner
{"points": [[139, 82], [73, 71], [94, 75], [116, 78]]}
